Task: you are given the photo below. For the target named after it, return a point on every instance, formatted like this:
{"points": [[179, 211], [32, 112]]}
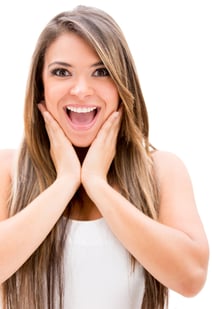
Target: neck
{"points": [[81, 206], [81, 153]]}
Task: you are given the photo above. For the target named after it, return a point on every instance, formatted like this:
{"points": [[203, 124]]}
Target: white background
{"points": [[171, 43]]}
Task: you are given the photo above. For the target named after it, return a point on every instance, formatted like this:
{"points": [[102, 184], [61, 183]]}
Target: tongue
{"points": [[82, 118]]}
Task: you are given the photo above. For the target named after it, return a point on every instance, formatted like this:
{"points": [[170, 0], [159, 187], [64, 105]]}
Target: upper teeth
{"points": [[80, 109]]}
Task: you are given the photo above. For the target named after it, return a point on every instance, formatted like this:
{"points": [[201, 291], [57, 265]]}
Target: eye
{"points": [[61, 72], [101, 72]]}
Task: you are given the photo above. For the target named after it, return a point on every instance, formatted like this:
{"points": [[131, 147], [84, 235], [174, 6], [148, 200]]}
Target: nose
{"points": [[81, 88]]}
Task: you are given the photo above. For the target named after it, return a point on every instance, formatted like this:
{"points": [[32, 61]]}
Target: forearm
{"points": [[22, 234], [168, 254]]}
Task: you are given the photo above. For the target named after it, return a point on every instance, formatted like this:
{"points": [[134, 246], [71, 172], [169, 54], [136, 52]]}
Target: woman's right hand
{"points": [[22, 233], [62, 152]]}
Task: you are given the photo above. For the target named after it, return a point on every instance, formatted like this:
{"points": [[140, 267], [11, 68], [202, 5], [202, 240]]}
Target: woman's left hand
{"points": [[101, 152]]}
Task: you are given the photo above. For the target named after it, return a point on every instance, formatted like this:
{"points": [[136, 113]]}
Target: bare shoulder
{"points": [[7, 154], [166, 158], [177, 200], [168, 164], [7, 159]]}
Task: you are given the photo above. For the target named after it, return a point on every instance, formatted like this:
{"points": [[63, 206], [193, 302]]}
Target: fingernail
{"points": [[116, 114], [39, 106]]}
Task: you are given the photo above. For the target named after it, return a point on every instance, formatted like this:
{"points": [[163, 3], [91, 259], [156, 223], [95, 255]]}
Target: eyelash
{"points": [[61, 72], [102, 70]]}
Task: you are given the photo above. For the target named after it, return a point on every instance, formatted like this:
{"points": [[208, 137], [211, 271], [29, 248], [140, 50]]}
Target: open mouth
{"points": [[81, 116]]}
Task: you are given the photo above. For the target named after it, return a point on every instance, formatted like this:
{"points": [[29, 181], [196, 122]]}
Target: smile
{"points": [[82, 117], [80, 109]]}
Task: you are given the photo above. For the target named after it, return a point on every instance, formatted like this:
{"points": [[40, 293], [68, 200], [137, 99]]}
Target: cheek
{"points": [[111, 96], [50, 91], [52, 94], [115, 99]]}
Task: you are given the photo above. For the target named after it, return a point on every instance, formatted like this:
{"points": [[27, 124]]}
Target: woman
{"points": [[92, 216]]}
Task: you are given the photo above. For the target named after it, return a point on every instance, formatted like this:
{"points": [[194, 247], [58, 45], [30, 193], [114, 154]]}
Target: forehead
{"points": [[71, 47]]}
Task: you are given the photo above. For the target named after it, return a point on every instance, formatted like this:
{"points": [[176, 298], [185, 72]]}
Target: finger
{"points": [[46, 115], [53, 129], [114, 119], [41, 107], [110, 126]]}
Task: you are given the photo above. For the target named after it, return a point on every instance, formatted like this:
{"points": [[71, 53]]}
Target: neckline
{"points": [[75, 221]]}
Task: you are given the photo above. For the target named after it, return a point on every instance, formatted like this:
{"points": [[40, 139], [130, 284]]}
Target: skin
{"points": [[74, 76], [174, 249]]}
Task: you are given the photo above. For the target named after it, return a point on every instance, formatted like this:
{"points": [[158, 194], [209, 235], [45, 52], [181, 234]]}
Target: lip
{"points": [[81, 127]]}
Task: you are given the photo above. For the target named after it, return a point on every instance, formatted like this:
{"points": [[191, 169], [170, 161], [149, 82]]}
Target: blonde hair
{"points": [[40, 279]]}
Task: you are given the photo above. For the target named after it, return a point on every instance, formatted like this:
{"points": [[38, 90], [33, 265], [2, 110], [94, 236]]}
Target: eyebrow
{"points": [[97, 64], [65, 64]]}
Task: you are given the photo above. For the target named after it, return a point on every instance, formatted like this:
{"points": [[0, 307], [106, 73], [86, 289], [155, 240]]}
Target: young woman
{"points": [[93, 216]]}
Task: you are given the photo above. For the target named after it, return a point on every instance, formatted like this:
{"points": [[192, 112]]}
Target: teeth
{"points": [[80, 109]]}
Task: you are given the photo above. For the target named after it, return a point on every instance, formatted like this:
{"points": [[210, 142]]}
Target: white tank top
{"points": [[98, 271]]}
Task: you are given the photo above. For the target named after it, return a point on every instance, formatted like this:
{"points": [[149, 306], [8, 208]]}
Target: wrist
{"points": [[95, 186], [67, 184]]}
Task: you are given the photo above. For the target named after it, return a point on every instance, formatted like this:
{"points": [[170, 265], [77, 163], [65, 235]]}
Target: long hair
{"points": [[37, 283]]}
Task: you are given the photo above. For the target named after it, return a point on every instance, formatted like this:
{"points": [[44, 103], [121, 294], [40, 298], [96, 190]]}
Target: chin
{"points": [[81, 144], [77, 145], [82, 140]]}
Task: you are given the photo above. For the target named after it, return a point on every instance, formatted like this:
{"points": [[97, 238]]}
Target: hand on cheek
{"points": [[62, 152], [102, 151]]}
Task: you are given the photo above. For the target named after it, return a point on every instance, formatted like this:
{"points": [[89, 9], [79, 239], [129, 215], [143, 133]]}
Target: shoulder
{"points": [[176, 190], [7, 154], [173, 178], [167, 164], [7, 159], [165, 157]]}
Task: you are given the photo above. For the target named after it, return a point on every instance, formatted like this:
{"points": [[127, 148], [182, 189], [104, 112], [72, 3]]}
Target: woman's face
{"points": [[78, 90]]}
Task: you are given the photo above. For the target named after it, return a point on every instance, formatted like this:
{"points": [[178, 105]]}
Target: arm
{"points": [[21, 234], [173, 249]]}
